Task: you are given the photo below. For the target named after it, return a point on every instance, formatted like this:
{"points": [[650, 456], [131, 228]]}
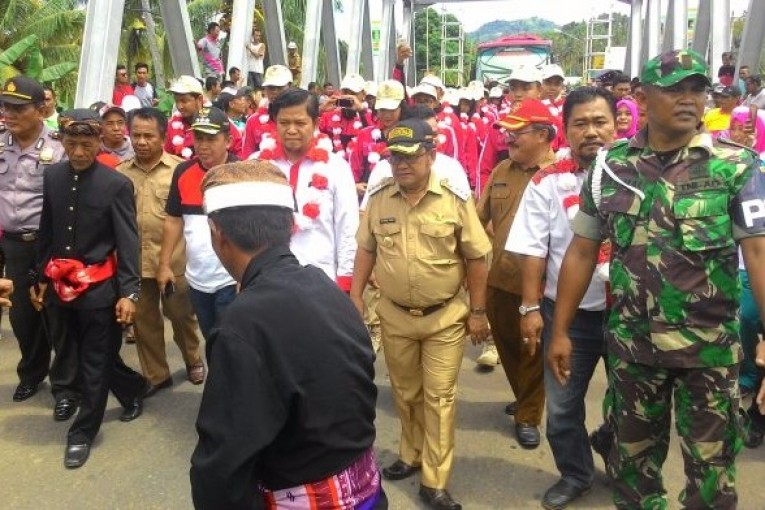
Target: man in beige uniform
{"points": [[529, 131], [422, 236], [151, 171]]}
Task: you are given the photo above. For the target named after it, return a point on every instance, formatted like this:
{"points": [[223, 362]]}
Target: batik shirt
{"points": [[674, 269]]}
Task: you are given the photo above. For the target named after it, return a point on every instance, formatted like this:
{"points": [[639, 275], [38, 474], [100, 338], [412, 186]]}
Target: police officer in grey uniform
{"points": [[27, 148]]}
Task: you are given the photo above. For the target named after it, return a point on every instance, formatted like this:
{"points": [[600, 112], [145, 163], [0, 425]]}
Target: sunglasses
{"points": [[512, 136], [396, 158]]}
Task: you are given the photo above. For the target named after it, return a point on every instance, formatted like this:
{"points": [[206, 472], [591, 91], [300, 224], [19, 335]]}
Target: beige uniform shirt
{"points": [[421, 249], [498, 205], [151, 187]]}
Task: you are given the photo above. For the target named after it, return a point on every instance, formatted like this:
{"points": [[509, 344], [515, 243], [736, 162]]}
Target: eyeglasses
{"points": [[396, 158], [512, 136]]}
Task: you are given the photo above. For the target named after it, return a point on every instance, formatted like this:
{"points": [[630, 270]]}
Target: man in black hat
{"points": [[426, 235], [88, 255], [211, 287], [27, 149]]}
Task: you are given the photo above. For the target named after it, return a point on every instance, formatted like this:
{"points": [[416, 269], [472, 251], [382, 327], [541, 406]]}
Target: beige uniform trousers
{"points": [[150, 330], [371, 298], [423, 355]]}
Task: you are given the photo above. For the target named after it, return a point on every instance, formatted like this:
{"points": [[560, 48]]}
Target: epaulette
{"points": [[728, 141], [380, 185], [54, 135], [463, 193]]}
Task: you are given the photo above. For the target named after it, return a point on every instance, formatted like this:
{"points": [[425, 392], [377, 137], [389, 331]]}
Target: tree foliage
{"points": [[42, 39], [428, 24]]}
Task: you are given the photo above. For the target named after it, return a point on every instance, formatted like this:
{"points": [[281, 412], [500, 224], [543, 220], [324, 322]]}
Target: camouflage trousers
{"points": [[638, 407]]}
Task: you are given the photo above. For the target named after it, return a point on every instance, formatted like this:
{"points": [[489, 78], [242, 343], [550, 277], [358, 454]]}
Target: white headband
{"points": [[250, 193]]}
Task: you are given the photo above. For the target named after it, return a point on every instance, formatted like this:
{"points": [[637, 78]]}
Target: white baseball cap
{"points": [[425, 88], [390, 93], [292, 45], [433, 81], [370, 88], [526, 74], [551, 70], [353, 82], [277, 76], [496, 92], [186, 85]]}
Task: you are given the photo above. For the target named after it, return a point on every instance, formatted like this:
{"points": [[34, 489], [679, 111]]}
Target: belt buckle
{"points": [[416, 312], [28, 236]]}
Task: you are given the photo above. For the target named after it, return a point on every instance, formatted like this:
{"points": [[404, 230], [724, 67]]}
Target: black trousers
{"points": [[36, 331], [96, 337], [254, 79]]}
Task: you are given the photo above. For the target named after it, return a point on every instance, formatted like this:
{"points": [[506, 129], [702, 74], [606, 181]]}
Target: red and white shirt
{"points": [[542, 226], [327, 215]]}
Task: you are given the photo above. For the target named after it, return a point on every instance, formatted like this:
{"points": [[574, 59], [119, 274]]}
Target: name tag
{"points": [[384, 221]]}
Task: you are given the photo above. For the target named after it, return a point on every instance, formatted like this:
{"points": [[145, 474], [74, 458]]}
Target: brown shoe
{"points": [[196, 374]]}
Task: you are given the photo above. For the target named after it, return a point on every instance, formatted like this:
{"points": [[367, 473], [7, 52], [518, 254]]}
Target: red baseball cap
{"points": [[525, 112]]}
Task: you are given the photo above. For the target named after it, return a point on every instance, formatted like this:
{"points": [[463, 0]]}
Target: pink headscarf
{"points": [[632, 107], [741, 114]]}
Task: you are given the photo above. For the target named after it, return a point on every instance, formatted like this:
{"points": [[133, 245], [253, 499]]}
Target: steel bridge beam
{"points": [[100, 49], [183, 53]]}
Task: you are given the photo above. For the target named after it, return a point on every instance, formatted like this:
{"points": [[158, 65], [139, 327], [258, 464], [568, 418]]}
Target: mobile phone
{"points": [[169, 289], [345, 102]]}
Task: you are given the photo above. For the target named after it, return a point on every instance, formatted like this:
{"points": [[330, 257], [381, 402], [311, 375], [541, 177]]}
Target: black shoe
{"points": [[600, 441], [154, 388], [438, 499], [399, 470], [24, 391], [527, 435], [511, 408], [560, 495], [133, 410], [65, 409], [76, 455]]}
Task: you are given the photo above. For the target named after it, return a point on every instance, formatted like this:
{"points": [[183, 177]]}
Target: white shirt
{"points": [[542, 229], [446, 167], [328, 241], [254, 63]]}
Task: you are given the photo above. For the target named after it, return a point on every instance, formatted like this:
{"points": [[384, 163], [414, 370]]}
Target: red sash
{"points": [[71, 277]]}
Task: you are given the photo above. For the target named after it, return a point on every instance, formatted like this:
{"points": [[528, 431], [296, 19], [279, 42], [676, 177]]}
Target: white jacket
{"points": [[329, 240]]}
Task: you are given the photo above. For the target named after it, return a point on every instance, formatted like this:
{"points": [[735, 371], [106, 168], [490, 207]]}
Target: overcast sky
{"points": [[474, 14]]}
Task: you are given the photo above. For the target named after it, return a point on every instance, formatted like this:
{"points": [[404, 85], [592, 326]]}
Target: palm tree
{"points": [[57, 26]]}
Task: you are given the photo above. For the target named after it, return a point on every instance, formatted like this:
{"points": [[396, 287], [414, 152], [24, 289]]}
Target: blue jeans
{"points": [[209, 306], [566, 429]]}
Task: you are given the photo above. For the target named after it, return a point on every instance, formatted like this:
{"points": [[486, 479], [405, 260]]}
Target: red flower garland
{"points": [[311, 210], [319, 181], [314, 153]]}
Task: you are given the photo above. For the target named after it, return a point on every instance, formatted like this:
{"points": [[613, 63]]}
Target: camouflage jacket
{"points": [[674, 267]]}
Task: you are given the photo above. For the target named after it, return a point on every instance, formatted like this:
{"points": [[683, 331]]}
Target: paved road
{"points": [[144, 464]]}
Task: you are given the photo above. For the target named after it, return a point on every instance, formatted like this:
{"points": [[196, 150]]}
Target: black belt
{"points": [[24, 237], [421, 312]]}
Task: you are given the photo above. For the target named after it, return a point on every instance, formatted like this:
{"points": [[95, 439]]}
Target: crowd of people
{"points": [[302, 232]]}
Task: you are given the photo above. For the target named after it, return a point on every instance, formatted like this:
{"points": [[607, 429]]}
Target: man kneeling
{"points": [[287, 415]]}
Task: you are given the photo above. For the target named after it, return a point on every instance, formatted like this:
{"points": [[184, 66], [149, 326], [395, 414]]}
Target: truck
{"points": [[497, 59]]}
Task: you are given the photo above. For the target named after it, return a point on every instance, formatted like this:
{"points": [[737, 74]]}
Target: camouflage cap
{"points": [[674, 66]]}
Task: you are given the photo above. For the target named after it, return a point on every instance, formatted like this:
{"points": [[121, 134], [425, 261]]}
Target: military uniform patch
{"points": [[463, 193], [380, 185]]}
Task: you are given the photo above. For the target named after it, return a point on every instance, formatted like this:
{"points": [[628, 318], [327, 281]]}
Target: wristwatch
{"points": [[133, 297], [523, 309], [478, 311]]}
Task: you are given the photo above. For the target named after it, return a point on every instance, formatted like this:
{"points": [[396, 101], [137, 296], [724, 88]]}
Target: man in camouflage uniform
{"points": [[673, 203]]}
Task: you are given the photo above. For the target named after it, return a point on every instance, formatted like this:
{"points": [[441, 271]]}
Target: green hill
{"points": [[499, 28]]}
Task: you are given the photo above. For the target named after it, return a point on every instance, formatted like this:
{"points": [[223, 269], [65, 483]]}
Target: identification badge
{"points": [[387, 242], [384, 221], [46, 155]]}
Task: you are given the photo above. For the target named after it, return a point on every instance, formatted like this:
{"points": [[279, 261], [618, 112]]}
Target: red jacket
{"points": [[257, 124]]}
